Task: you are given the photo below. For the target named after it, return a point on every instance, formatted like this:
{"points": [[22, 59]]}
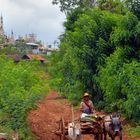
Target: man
{"points": [[86, 105]]}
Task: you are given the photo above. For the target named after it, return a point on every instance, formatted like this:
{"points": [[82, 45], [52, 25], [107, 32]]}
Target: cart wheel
{"points": [[62, 129]]}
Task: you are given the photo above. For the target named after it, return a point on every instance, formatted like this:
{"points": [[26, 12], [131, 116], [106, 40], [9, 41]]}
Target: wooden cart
{"points": [[85, 126]]}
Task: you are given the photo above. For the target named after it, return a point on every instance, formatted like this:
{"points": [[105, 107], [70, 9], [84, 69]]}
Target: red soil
{"points": [[44, 120]]}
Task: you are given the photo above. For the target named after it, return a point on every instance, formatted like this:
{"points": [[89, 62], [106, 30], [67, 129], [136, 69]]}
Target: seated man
{"points": [[86, 105]]}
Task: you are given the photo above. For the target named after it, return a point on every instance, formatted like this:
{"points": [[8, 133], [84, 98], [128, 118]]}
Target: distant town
{"points": [[27, 44]]}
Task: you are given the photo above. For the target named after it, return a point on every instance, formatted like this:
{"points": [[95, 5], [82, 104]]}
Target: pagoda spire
{"points": [[1, 26]]}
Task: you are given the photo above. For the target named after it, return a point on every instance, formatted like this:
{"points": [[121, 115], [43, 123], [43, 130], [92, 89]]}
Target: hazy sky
{"points": [[33, 16]]}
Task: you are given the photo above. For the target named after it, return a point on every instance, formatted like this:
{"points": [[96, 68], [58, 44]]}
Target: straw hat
{"points": [[86, 94]]}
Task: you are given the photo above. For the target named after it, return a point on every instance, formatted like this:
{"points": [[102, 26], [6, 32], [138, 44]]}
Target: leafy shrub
{"points": [[20, 88], [134, 131], [119, 80]]}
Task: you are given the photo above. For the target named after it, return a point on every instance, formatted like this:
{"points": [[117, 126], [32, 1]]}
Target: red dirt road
{"points": [[44, 120]]}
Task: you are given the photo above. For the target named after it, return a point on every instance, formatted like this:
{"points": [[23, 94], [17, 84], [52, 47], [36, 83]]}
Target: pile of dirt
{"points": [[44, 120]]}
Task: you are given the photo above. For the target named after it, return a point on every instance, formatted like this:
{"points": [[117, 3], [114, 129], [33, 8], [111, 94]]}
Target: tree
{"points": [[72, 18], [134, 6], [67, 6], [100, 53], [119, 82], [1, 39], [118, 77], [21, 46], [115, 6], [127, 35], [84, 46]]}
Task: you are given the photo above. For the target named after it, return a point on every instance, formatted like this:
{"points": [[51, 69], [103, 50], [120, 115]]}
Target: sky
{"points": [[33, 16]]}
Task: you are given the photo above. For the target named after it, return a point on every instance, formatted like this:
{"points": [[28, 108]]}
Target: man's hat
{"points": [[86, 94]]}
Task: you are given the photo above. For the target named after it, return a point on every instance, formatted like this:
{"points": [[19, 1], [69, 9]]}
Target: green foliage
{"points": [[20, 87], [84, 46], [67, 6], [115, 6], [10, 49], [100, 53], [72, 17], [21, 47], [120, 80], [127, 35], [134, 6], [1, 40], [134, 131]]}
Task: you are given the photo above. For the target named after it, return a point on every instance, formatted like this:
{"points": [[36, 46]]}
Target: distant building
{"points": [[1, 27], [30, 43], [49, 49], [15, 57], [49, 46], [34, 57], [33, 47], [12, 38], [31, 38], [5, 39]]}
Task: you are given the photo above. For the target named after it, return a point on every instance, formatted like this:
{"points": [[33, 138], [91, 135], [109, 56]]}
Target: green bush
{"points": [[20, 88], [119, 80], [134, 131]]}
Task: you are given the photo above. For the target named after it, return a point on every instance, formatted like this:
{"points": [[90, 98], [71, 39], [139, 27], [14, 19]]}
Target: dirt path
{"points": [[43, 120]]}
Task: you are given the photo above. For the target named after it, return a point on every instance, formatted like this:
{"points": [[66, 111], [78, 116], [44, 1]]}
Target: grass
{"points": [[134, 131]]}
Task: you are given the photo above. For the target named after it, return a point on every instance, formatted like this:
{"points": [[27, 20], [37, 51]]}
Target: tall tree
{"points": [[67, 5], [134, 6], [116, 6]]}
